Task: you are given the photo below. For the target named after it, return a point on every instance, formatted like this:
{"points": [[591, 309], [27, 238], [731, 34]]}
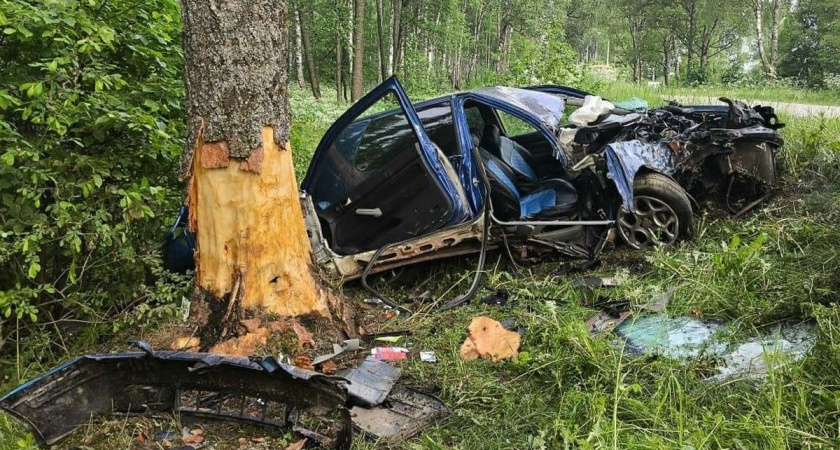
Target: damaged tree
{"points": [[252, 249]]}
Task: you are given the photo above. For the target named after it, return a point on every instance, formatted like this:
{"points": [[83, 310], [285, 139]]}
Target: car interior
{"points": [[521, 187]]}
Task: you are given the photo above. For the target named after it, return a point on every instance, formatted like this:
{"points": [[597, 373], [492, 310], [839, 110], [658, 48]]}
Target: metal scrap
{"points": [[408, 412], [371, 382]]}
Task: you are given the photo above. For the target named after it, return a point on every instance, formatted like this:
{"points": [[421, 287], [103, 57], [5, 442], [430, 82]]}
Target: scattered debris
{"points": [[190, 384], [165, 435], [605, 321], [407, 414], [499, 298], [660, 302], [511, 324], [488, 338], [389, 353], [371, 382], [390, 339], [689, 337], [677, 337], [428, 356], [350, 345], [299, 445], [303, 362], [328, 368], [784, 343], [592, 282]]}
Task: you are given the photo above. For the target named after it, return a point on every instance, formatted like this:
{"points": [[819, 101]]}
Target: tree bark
{"points": [[238, 162], [358, 49], [396, 36], [383, 41], [305, 23], [299, 53], [779, 9], [339, 51]]}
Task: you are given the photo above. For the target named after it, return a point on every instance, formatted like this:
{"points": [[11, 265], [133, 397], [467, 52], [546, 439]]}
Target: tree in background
{"points": [[358, 49]]}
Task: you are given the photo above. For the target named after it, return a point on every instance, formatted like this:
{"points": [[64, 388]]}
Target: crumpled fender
{"points": [[624, 159]]}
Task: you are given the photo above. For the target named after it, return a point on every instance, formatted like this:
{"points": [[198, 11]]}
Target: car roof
{"points": [[548, 108]]}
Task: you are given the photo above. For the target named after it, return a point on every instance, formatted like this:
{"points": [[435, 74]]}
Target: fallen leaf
{"points": [[296, 445], [303, 362], [193, 440], [251, 325], [304, 336], [329, 368], [258, 440]]}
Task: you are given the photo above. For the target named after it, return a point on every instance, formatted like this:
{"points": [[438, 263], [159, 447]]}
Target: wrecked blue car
{"points": [[541, 170]]}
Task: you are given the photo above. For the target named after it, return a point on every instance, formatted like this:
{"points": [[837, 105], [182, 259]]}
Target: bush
{"points": [[91, 115]]}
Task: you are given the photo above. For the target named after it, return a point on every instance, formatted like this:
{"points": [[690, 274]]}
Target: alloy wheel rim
{"points": [[653, 222]]}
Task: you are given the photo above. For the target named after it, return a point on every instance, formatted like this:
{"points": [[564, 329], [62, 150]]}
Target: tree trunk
{"points": [[666, 58], [339, 51], [759, 34], [238, 163], [358, 49], [299, 53], [383, 41], [779, 9], [305, 23], [396, 36]]}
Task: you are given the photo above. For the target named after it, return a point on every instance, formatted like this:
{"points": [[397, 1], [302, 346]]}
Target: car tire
{"points": [[663, 214]]}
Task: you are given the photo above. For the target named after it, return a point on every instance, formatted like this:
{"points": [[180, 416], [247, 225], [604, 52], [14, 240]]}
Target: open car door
{"points": [[377, 179]]}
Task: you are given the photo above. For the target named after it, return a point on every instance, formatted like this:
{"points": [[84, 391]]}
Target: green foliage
{"points": [[91, 115]]}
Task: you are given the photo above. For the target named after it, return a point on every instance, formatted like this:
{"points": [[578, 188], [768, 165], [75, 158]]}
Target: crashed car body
{"points": [[393, 183]]}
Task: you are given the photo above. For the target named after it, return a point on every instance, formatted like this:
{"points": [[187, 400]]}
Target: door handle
{"points": [[375, 212]]}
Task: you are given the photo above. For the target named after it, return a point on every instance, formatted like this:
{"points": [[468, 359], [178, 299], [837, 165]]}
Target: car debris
{"points": [[428, 356], [371, 381], [389, 353], [350, 345], [689, 337], [262, 391], [593, 282], [408, 412], [489, 339], [498, 298]]}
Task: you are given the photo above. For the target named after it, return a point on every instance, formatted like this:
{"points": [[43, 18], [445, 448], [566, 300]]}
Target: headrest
{"points": [[492, 139]]}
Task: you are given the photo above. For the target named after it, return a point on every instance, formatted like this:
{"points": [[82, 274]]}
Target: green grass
{"points": [[620, 90], [572, 390]]}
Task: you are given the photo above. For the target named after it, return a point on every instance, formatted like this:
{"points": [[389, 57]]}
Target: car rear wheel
{"points": [[663, 213]]}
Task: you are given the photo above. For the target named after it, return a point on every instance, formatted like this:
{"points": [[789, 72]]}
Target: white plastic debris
{"points": [[428, 356]]}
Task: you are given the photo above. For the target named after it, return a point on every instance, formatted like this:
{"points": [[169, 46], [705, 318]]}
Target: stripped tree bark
{"points": [[252, 249]]}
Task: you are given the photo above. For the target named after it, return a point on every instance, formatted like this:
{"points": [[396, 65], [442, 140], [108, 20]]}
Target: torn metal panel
{"points": [[371, 382], [624, 159], [198, 384], [405, 413]]}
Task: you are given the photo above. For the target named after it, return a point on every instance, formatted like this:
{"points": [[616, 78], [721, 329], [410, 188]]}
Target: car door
{"points": [[377, 179]]}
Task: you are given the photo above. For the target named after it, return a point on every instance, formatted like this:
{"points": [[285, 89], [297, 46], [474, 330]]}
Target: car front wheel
{"points": [[663, 213]]}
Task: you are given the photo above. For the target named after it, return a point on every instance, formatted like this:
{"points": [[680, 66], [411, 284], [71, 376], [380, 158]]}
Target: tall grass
{"points": [[618, 90]]}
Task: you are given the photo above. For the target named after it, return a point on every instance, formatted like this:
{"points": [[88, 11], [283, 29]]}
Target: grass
{"points": [[572, 390], [709, 94]]}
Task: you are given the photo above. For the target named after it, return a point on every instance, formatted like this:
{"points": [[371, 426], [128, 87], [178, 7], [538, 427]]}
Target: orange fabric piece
{"points": [[489, 339]]}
